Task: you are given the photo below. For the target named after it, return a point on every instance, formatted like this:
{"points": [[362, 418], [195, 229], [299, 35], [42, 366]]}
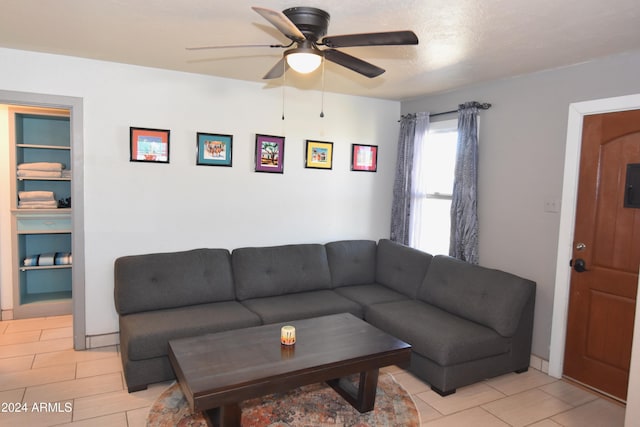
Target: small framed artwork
{"points": [[214, 149], [149, 145], [269, 153], [319, 155], [364, 158]]}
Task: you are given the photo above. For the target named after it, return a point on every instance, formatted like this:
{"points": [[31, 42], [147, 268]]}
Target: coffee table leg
{"points": [[225, 416], [364, 397]]}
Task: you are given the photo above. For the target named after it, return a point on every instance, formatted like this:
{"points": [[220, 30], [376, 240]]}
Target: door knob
{"points": [[579, 265]]}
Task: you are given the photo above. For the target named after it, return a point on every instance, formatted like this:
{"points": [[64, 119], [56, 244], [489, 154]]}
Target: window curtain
{"points": [[464, 213], [413, 128], [418, 189]]}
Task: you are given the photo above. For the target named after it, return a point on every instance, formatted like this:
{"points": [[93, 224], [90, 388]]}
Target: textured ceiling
{"points": [[462, 42]]}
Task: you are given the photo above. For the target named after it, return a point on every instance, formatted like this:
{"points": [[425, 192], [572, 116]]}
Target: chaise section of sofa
{"points": [[289, 282], [164, 296], [467, 323]]}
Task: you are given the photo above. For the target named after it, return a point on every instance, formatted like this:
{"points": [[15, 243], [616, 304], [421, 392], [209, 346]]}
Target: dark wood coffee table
{"points": [[218, 371]]}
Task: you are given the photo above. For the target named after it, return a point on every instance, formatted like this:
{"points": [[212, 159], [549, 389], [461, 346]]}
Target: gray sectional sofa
{"points": [[465, 322]]}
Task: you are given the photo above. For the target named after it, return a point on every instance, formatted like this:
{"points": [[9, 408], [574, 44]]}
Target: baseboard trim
{"points": [[539, 363], [102, 340]]}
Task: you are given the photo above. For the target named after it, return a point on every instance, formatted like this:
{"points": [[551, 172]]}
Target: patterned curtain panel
{"points": [[464, 213], [410, 126]]}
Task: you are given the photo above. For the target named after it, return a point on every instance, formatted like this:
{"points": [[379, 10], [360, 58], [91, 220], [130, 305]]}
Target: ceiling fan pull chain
{"points": [[322, 99], [284, 83]]}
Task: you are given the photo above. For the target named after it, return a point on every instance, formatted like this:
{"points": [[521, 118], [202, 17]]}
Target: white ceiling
{"points": [[462, 42]]}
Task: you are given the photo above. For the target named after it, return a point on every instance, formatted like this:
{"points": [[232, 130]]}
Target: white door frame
{"points": [[75, 105], [577, 111]]}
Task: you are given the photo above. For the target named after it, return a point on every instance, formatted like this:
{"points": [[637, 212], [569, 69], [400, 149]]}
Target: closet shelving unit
{"points": [[40, 135]]}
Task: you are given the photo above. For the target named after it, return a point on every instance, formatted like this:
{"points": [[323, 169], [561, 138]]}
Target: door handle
{"points": [[579, 265]]}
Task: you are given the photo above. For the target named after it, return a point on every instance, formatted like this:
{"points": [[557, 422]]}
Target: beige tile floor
{"points": [[86, 388]]}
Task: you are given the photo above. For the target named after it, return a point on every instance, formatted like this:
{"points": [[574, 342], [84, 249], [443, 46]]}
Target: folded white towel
{"points": [[39, 204], [36, 195], [41, 166], [39, 174], [47, 259]]}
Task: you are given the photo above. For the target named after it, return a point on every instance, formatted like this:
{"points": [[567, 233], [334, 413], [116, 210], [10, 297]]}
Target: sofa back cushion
{"points": [[490, 297], [278, 270], [168, 280], [400, 267], [352, 262]]}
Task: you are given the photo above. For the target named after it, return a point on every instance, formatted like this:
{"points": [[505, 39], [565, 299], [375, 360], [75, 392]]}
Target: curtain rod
{"points": [[480, 105]]}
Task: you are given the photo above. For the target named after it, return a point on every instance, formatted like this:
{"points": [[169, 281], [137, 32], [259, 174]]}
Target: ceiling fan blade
{"points": [[278, 70], [234, 46], [352, 63], [281, 22], [372, 39]]}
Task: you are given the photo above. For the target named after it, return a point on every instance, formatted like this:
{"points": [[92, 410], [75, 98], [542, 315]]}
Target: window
{"points": [[434, 188]]}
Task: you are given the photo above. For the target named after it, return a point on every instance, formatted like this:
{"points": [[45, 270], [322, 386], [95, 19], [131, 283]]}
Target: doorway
{"points": [[75, 106], [606, 254], [577, 111]]}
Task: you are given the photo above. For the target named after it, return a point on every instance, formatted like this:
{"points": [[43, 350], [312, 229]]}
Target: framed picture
{"points": [[319, 155], [214, 149], [269, 153], [364, 158], [149, 145]]}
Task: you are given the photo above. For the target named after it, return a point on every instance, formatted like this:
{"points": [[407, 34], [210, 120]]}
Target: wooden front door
{"points": [[606, 255]]}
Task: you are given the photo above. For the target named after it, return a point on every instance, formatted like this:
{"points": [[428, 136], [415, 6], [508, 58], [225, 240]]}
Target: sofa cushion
{"points": [[490, 297], [168, 280], [301, 306], [400, 267], [435, 334], [146, 335], [366, 295], [280, 270], [352, 262]]}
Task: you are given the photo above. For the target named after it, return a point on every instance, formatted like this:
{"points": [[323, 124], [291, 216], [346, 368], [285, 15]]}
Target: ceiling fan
{"points": [[306, 27]]}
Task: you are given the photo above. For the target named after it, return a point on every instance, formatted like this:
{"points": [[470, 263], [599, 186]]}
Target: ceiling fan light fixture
{"points": [[303, 60]]}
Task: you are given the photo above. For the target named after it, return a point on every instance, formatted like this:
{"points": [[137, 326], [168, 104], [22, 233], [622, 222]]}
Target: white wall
{"points": [[133, 208], [522, 145]]}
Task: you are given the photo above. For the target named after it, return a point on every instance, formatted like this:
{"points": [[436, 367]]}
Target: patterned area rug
{"points": [[312, 405]]}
